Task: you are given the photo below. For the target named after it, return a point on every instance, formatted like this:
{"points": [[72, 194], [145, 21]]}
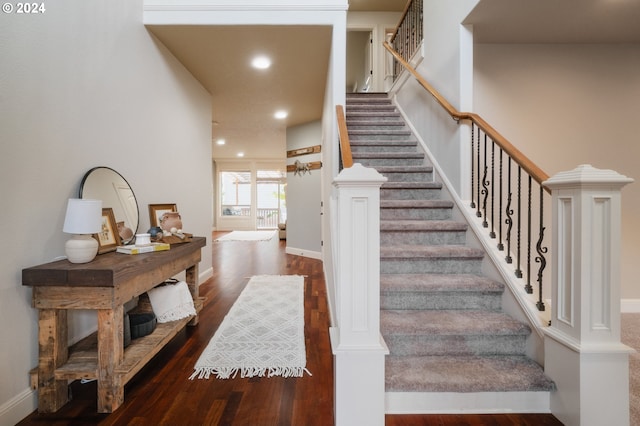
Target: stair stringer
{"points": [[515, 301]]}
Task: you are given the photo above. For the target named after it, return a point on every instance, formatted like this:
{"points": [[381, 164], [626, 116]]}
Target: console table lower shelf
{"points": [[83, 356]]}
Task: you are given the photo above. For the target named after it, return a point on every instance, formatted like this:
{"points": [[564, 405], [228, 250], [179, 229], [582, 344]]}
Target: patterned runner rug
{"points": [[263, 333]]}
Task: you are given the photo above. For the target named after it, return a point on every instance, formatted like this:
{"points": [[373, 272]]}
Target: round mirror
{"points": [[104, 183]]}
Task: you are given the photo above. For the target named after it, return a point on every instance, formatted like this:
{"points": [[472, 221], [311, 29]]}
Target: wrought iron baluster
{"points": [[508, 212], [519, 229], [473, 204], [500, 245], [541, 252], [478, 213], [485, 185], [492, 234], [528, 288]]}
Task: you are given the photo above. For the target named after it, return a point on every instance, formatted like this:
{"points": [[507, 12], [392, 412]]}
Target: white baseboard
{"points": [[467, 403], [302, 252], [630, 306], [18, 407], [205, 275]]}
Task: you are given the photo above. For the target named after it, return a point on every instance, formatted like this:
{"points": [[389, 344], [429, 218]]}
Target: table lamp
{"points": [[83, 218]]}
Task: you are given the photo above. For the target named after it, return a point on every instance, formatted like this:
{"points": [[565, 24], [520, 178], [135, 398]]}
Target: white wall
{"points": [[84, 85], [304, 195], [566, 105]]}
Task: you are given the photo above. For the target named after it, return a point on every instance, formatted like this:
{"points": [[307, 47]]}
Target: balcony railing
{"points": [[267, 218]]}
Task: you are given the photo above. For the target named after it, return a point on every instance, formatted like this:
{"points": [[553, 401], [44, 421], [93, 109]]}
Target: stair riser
{"points": [[430, 266], [368, 103], [409, 177], [416, 300], [409, 194], [381, 136], [434, 345], [389, 147], [415, 214], [390, 238]]}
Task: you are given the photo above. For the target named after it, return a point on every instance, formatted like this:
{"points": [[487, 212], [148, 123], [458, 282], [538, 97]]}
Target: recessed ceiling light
{"points": [[281, 114], [241, 154], [221, 142], [261, 62]]}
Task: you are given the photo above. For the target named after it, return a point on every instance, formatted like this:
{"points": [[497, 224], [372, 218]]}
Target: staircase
{"points": [[441, 319]]}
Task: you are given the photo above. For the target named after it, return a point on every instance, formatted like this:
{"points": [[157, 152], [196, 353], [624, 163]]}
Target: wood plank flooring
{"points": [[162, 394]]}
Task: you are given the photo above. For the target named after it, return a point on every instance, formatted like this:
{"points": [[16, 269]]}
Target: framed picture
{"points": [[157, 210], [108, 238]]}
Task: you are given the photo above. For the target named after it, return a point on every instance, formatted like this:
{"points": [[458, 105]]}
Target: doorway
{"points": [[271, 207]]}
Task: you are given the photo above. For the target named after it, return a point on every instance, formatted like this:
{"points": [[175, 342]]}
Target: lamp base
{"points": [[81, 248]]}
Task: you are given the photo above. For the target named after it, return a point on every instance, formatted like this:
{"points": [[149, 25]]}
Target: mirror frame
{"points": [[81, 190]]}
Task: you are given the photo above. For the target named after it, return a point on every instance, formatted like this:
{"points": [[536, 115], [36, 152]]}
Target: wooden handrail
{"points": [[534, 171], [345, 146]]}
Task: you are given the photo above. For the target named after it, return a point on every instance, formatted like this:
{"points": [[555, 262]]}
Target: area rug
{"points": [[263, 333], [247, 236]]}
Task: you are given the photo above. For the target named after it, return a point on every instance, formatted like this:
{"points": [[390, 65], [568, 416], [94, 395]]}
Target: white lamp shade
{"points": [[83, 216]]}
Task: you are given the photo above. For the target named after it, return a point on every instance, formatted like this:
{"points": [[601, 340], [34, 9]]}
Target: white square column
{"points": [[583, 352], [358, 348]]}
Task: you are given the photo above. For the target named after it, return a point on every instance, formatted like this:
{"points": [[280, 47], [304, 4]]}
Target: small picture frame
{"points": [[108, 238], [157, 210]]}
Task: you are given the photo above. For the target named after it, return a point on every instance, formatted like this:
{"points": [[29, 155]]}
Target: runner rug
{"points": [[248, 236], [263, 333]]}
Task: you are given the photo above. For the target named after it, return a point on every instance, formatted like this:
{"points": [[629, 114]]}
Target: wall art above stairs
{"points": [[440, 317]]}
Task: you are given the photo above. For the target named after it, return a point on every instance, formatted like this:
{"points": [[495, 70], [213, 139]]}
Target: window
{"points": [[235, 190]]}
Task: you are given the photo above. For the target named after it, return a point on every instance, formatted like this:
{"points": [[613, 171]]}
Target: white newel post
{"points": [[583, 352], [358, 348]]}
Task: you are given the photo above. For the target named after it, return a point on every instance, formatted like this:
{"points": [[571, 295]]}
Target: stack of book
{"points": [[134, 249]]}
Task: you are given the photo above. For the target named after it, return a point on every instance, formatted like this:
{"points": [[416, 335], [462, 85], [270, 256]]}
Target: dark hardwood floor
{"points": [[162, 394]]}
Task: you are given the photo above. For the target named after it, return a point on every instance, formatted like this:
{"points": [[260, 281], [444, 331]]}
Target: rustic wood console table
{"points": [[103, 285]]}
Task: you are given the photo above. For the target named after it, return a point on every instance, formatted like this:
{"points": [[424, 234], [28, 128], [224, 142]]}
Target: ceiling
{"points": [[244, 99], [556, 21]]}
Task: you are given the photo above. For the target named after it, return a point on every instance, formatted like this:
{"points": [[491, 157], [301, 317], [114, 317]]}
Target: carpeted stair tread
{"points": [[464, 374], [404, 169], [380, 132], [382, 107], [400, 155], [383, 143], [374, 123], [450, 323], [432, 252], [422, 225], [415, 204], [372, 114], [438, 282]]}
